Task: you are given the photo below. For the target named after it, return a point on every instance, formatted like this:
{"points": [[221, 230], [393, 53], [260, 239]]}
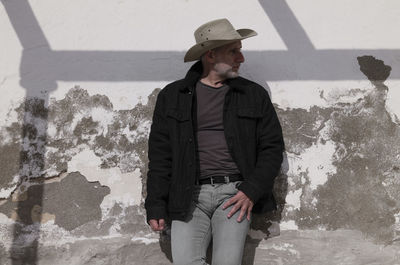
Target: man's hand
{"points": [[157, 225], [242, 202]]}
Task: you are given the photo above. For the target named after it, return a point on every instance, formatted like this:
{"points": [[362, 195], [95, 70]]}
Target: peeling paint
{"points": [[295, 95], [76, 123], [355, 195], [125, 188], [350, 151]]}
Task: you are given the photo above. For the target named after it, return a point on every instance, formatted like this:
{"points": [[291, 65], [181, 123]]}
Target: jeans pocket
{"points": [[236, 184]]}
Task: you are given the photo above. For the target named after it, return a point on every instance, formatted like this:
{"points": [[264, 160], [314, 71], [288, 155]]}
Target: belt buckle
{"points": [[226, 179]]}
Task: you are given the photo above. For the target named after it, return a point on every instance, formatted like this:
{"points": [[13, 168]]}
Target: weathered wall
{"points": [[78, 83]]}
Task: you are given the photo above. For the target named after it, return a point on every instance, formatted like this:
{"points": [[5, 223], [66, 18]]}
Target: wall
{"points": [[78, 83]]}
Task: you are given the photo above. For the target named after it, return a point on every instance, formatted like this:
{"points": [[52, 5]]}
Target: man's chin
{"points": [[232, 74]]}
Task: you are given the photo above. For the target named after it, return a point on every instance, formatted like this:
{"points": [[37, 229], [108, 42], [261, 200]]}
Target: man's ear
{"points": [[209, 56]]}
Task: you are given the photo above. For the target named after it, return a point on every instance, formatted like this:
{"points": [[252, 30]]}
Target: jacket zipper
{"points": [[194, 131]]}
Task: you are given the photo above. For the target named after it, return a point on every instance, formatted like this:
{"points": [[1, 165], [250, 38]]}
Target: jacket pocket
{"points": [[179, 115], [179, 125], [247, 119], [250, 113]]}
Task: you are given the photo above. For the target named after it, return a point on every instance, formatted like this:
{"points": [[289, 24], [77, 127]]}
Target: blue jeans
{"points": [[190, 238]]}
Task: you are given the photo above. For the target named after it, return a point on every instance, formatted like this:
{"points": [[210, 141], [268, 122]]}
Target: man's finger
{"points": [[242, 213], [233, 210], [161, 224], [229, 202], [249, 212], [153, 224], [156, 224]]}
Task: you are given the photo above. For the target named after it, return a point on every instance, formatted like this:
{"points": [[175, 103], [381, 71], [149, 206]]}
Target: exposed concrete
{"points": [[9, 164], [369, 147], [324, 247], [76, 122], [291, 248], [301, 128], [362, 191], [23, 145], [129, 221], [73, 201]]}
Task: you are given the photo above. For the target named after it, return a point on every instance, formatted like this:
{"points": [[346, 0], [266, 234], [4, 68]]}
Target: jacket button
{"points": [[190, 140]]}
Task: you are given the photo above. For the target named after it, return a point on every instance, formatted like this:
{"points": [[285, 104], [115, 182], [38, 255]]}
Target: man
{"points": [[215, 147]]}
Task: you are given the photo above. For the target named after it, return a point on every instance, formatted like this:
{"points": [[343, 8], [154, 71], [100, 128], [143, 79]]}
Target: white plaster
{"points": [[78, 116], [306, 94], [8, 115], [291, 181], [51, 130], [288, 225], [6, 192], [343, 24], [103, 116], [316, 161], [142, 130], [125, 188], [149, 25], [4, 220], [293, 200], [145, 240], [397, 222], [392, 101], [10, 55], [54, 236], [280, 247]]}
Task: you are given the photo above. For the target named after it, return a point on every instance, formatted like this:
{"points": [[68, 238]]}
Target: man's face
{"points": [[228, 59]]}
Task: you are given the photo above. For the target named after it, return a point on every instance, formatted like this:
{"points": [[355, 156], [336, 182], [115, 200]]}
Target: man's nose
{"points": [[240, 57]]}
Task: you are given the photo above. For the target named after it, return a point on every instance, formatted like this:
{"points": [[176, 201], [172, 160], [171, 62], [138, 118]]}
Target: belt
{"points": [[221, 179]]}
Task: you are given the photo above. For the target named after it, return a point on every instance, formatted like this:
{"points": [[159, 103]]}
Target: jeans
{"points": [[190, 238]]}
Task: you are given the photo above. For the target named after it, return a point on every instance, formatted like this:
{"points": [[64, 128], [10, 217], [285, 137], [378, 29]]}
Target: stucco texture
{"points": [[78, 88]]}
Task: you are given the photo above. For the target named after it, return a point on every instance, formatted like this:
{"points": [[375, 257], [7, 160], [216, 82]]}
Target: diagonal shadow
{"points": [[40, 69]]}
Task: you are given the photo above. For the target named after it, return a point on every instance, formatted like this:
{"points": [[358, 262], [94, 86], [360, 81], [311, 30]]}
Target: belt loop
{"points": [[212, 180], [226, 179]]}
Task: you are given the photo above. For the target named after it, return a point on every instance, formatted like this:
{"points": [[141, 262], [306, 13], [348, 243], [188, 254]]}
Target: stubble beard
{"points": [[225, 71]]}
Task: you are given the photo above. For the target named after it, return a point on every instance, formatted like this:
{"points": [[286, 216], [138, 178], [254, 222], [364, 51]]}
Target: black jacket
{"points": [[253, 135]]}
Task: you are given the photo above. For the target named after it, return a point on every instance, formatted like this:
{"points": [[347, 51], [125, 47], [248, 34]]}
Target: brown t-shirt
{"points": [[214, 155]]}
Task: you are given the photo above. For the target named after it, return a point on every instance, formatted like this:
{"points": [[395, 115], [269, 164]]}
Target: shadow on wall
{"points": [[40, 69]]}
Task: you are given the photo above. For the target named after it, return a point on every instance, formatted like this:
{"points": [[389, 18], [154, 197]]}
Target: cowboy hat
{"points": [[214, 34]]}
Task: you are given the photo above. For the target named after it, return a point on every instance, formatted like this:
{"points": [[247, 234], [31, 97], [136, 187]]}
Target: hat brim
{"points": [[196, 51]]}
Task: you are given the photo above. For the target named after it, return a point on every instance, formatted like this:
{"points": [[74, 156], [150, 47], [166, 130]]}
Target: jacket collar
{"points": [[194, 74]]}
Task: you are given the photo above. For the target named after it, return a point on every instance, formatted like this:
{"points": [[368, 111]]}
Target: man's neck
{"points": [[212, 79]]}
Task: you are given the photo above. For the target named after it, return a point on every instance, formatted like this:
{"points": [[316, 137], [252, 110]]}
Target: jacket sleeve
{"points": [[270, 146], [159, 173]]}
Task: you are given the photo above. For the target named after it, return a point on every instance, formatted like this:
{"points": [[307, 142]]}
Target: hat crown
{"points": [[220, 29]]}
